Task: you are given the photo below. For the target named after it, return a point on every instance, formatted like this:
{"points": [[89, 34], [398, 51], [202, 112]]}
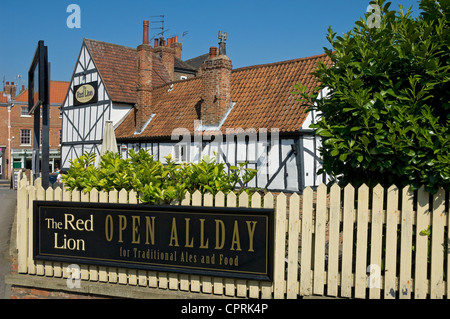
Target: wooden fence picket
{"points": [[40, 195], [292, 285], [195, 279], [207, 286], [113, 197], [229, 282], [405, 285], [280, 244], [267, 287], [392, 219], [218, 286], [437, 246], [306, 243], [103, 197], [421, 262], [254, 287], [362, 221], [48, 265], [184, 278], [93, 270], [347, 242], [319, 239], [22, 230], [376, 243], [333, 245], [123, 272], [84, 269], [31, 198]]}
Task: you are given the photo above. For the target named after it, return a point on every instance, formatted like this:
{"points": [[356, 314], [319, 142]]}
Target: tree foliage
{"points": [[386, 117]]}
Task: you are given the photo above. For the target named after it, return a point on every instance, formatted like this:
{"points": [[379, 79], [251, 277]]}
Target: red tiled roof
{"points": [[262, 95], [58, 91], [118, 69], [3, 99]]}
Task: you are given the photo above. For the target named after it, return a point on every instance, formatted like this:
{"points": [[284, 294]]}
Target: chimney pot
{"points": [[145, 35], [212, 52]]}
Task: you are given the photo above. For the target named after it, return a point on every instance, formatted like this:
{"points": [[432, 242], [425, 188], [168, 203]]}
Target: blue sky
{"points": [[259, 31]]}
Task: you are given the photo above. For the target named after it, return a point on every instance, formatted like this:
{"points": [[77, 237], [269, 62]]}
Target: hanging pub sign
{"points": [[85, 93], [226, 242]]}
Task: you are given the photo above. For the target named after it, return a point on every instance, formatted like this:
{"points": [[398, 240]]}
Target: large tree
{"points": [[386, 117]]}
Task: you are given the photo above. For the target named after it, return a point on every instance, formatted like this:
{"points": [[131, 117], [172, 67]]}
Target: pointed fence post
{"points": [[421, 264], [347, 241], [405, 279], [333, 237], [319, 239], [376, 243], [267, 287], [22, 230], [306, 243], [437, 246], [362, 222], [292, 285], [392, 220]]}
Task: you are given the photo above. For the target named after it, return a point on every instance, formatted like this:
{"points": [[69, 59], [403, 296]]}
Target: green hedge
{"points": [[154, 181]]}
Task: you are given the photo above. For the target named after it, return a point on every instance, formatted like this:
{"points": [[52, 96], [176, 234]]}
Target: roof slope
{"points": [[3, 98], [262, 95], [58, 91], [118, 69]]}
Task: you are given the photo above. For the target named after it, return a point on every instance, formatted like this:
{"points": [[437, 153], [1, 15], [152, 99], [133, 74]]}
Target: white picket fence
{"points": [[339, 242]]}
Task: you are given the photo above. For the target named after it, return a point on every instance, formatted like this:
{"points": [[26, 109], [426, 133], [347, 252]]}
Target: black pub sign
{"points": [[85, 93], [225, 242]]}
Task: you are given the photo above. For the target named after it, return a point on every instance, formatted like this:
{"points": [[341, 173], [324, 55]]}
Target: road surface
{"points": [[7, 210]]}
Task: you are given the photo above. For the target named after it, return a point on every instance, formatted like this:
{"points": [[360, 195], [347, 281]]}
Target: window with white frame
{"points": [[25, 137]]}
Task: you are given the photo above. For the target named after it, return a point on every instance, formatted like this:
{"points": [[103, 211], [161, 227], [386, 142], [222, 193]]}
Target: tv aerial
{"points": [[160, 35]]}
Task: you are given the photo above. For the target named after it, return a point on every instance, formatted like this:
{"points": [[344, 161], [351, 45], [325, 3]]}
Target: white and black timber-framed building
{"points": [[162, 104]]}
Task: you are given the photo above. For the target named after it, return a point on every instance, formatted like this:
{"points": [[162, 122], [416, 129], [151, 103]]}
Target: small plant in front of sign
{"points": [[154, 181]]}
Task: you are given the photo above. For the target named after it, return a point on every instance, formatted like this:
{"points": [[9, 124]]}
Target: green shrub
{"points": [[154, 181]]}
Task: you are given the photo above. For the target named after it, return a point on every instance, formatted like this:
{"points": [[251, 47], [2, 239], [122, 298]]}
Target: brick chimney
{"points": [[166, 54], [216, 83], [144, 88], [177, 46], [10, 89]]}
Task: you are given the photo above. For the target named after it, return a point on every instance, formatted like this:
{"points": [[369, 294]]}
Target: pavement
{"points": [[7, 209]]}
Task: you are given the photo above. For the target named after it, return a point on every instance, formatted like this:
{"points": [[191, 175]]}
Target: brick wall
{"points": [[19, 122], [216, 92]]}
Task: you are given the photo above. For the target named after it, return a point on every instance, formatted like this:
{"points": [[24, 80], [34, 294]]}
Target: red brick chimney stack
{"points": [[166, 54], [216, 83], [10, 89], [144, 88], [177, 46]]}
